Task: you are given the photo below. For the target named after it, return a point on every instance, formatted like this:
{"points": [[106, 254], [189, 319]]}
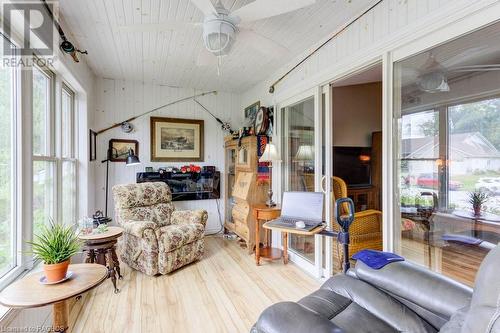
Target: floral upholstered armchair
{"points": [[157, 238]]}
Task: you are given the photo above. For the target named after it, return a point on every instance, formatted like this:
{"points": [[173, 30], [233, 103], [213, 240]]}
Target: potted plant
{"points": [[477, 199], [55, 245]]}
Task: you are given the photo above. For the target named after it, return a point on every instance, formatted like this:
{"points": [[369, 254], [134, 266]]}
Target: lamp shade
{"points": [[270, 154], [305, 153], [132, 159]]}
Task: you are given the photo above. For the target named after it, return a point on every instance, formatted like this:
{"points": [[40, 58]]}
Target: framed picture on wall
{"points": [[176, 139], [92, 145], [120, 148], [250, 113]]}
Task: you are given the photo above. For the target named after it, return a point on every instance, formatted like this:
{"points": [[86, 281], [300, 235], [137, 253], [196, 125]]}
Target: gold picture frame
{"points": [[177, 140]]}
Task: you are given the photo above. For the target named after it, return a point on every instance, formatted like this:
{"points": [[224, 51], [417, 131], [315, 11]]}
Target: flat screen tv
{"points": [[352, 164]]}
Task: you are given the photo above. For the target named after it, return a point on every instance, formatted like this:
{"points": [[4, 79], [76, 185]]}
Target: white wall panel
{"points": [[388, 21], [118, 100]]}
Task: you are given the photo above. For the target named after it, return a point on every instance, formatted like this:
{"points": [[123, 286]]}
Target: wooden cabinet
{"points": [[243, 190], [364, 198]]}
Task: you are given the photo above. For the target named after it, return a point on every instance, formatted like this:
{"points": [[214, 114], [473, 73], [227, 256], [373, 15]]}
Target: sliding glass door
{"points": [[302, 143], [299, 162], [447, 161]]}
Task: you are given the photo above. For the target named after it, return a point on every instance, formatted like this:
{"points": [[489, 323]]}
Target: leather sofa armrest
{"points": [[189, 216], [137, 228], [291, 317], [418, 285]]}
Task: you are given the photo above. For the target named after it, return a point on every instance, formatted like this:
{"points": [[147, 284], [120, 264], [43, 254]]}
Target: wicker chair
{"points": [[366, 230]]}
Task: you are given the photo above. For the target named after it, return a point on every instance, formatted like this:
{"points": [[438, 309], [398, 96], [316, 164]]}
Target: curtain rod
{"points": [[156, 109], [271, 88]]}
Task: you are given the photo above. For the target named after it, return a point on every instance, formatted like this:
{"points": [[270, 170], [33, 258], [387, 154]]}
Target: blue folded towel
{"points": [[377, 259]]}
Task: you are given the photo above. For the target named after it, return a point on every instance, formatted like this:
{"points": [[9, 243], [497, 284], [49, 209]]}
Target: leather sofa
{"points": [[401, 297], [157, 239]]}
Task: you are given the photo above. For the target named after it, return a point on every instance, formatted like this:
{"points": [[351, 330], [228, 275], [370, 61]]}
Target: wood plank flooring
{"points": [[223, 292]]}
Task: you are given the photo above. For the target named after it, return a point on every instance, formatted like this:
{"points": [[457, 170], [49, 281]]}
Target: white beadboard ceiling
{"points": [[169, 57]]}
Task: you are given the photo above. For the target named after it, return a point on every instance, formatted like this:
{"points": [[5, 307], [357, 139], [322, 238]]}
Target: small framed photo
{"points": [[92, 145], [250, 113], [120, 148]]}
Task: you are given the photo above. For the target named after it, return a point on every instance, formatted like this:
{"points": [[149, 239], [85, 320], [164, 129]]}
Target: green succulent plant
{"points": [[478, 198], [55, 243]]}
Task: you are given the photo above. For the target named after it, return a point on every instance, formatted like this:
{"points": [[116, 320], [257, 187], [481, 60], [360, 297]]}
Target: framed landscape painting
{"points": [[175, 139]]}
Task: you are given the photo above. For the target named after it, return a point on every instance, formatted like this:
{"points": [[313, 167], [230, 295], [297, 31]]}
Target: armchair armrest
{"points": [[291, 317], [137, 228], [189, 216]]}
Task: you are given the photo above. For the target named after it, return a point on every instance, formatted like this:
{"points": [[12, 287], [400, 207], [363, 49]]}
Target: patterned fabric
{"points": [[173, 260], [157, 239], [171, 237], [140, 195], [190, 216]]}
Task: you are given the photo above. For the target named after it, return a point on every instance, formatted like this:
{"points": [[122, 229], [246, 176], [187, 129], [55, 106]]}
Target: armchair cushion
{"points": [[137, 228], [143, 202], [190, 216], [172, 237]]}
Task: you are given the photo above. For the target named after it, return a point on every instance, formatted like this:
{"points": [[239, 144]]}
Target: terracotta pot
{"points": [[56, 272]]}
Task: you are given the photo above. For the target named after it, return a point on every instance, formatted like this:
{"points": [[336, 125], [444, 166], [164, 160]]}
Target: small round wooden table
{"points": [[100, 249], [262, 213], [28, 292]]}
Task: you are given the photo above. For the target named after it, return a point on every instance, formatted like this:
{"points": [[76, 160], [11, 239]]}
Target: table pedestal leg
{"points": [[60, 316], [116, 263], [285, 247], [111, 267], [257, 242]]}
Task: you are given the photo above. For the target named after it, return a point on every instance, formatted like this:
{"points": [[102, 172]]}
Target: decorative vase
{"points": [[56, 272], [477, 210]]}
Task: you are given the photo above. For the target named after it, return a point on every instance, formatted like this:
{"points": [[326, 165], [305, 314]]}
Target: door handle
{"points": [[322, 184]]}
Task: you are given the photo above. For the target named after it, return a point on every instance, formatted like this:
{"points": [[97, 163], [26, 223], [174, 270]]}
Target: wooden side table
{"points": [[100, 249], [295, 231], [264, 213], [28, 292]]}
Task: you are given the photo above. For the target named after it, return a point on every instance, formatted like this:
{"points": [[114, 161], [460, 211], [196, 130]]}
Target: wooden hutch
{"points": [[243, 190]]}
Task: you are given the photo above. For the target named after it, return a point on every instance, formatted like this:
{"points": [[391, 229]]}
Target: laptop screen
{"points": [[303, 205]]}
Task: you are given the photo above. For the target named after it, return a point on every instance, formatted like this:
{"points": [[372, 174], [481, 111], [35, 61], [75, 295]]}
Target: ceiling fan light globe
{"points": [[218, 36], [433, 82]]}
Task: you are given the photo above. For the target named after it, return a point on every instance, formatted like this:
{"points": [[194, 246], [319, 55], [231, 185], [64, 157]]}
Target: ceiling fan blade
{"points": [[261, 43], [206, 6], [205, 58], [260, 9], [464, 55], [476, 68], [156, 27]]}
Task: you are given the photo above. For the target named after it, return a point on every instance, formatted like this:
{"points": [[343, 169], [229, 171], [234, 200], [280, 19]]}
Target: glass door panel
{"points": [[299, 163], [447, 116]]}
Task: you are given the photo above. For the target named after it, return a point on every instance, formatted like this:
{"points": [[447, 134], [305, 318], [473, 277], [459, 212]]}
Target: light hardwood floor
{"points": [[223, 292]]}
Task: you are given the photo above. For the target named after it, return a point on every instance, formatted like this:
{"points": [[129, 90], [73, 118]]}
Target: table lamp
{"points": [[270, 155]]}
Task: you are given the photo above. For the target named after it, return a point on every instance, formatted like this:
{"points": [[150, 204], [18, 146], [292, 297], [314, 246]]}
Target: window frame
{"points": [[18, 264]]}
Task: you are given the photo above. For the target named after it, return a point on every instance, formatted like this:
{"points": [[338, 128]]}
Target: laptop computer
{"points": [[300, 206]]}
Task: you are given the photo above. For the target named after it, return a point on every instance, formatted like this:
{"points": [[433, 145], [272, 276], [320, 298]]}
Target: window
{"points": [[68, 161], [447, 111], [8, 248], [44, 161], [54, 163]]}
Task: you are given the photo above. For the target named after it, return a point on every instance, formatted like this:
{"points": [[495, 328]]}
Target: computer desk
{"points": [[295, 231]]}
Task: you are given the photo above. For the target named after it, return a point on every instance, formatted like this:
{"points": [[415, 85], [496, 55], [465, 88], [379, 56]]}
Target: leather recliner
{"points": [[401, 297]]}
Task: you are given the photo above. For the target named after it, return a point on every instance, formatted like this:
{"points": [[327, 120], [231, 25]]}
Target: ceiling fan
{"points": [[433, 77], [222, 29]]}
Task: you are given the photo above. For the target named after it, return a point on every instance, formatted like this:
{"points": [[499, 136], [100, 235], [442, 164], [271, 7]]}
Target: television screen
{"points": [[352, 164]]}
